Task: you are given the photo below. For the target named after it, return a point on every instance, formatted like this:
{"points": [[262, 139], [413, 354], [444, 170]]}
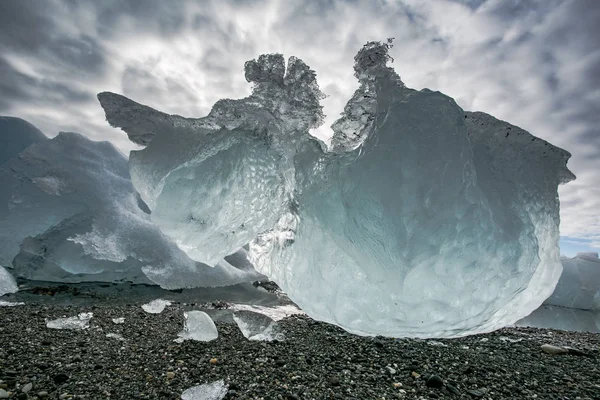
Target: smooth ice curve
{"points": [[393, 230]]}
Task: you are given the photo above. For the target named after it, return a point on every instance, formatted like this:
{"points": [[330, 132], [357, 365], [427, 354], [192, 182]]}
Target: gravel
{"points": [[315, 361]]}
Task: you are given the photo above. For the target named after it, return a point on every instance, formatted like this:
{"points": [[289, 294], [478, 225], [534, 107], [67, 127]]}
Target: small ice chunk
{"points": [[276, 313], [510, 340], [436, 343], [198, 326], [119, 320], [115, 336], [156, 306], [209, 391], [81, 321], [255, 326], [10, 303], [7, 282]]}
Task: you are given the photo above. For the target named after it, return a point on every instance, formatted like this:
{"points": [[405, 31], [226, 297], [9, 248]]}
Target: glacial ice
{"points": [[7, 282], [579, 284], [155, 306], [15, 136], [394, 229], [197, 326], [69, 213], [257, 327], [78, 322], [209, 391]]}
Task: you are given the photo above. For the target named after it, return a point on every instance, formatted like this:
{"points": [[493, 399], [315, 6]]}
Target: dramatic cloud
{"points": [[533, 63]]}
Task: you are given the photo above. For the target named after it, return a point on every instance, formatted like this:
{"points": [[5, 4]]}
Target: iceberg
{"points": [[69, 213], [391, 229], [198, 326], [579, 284]]}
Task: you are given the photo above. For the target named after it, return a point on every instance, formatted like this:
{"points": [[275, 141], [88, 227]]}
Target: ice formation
{"points": [[392, 230], [198, 326], [69, 213], [15, 136], [209, 391], [257, 327], [155, 306], [78, 322], [579, 284], [7, 282], [276, 313]]}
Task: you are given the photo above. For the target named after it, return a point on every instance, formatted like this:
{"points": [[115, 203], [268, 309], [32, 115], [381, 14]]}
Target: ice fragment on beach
{"points": [[209, 391], [118, 320], [115, 336], [197, 326], [155, 306], [258, 327], [276, 313], [4, 303], [81, 321], [7, 282]]}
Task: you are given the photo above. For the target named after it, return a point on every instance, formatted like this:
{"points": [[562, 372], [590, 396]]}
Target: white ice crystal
{"points": [[197, 326], [209, 391], [155, 306], [394, 231], [78, 322]]}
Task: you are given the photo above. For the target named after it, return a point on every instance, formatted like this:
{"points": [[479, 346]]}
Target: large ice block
{"points": [[393, 230], [15, 136]]}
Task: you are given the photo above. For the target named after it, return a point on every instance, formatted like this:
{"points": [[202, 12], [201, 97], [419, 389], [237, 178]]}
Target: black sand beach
{"points": [[315, 361]]}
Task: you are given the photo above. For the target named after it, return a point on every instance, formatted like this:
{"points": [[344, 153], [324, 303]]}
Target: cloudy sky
{"points": [[533, 63]]}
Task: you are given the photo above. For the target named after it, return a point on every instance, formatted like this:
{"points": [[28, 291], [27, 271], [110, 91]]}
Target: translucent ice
{"points": [[78, 322], [209, 391], [393, 231], [579, 284], [198, 326], [155, 306], [69, 213], [7, 282], [258, 327]]}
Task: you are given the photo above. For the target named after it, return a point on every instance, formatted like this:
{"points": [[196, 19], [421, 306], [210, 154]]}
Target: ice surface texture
{"points": [[579, 284], [198, 326], [259, 327], [7, 282], [421, 219], [209, 391], [78, 322], [69, 212], [155, 306]]}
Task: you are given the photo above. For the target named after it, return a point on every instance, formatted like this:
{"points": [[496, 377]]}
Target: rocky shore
{"points": [[315, 361]]}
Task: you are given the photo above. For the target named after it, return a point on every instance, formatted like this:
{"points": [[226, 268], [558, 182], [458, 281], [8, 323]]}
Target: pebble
{"points": [[3, 394], [477, 393], [550, 349], [42, 394], [434, 381], [213, 360], [334, 381], [170, 375], [60, 378], [27, 388]]}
